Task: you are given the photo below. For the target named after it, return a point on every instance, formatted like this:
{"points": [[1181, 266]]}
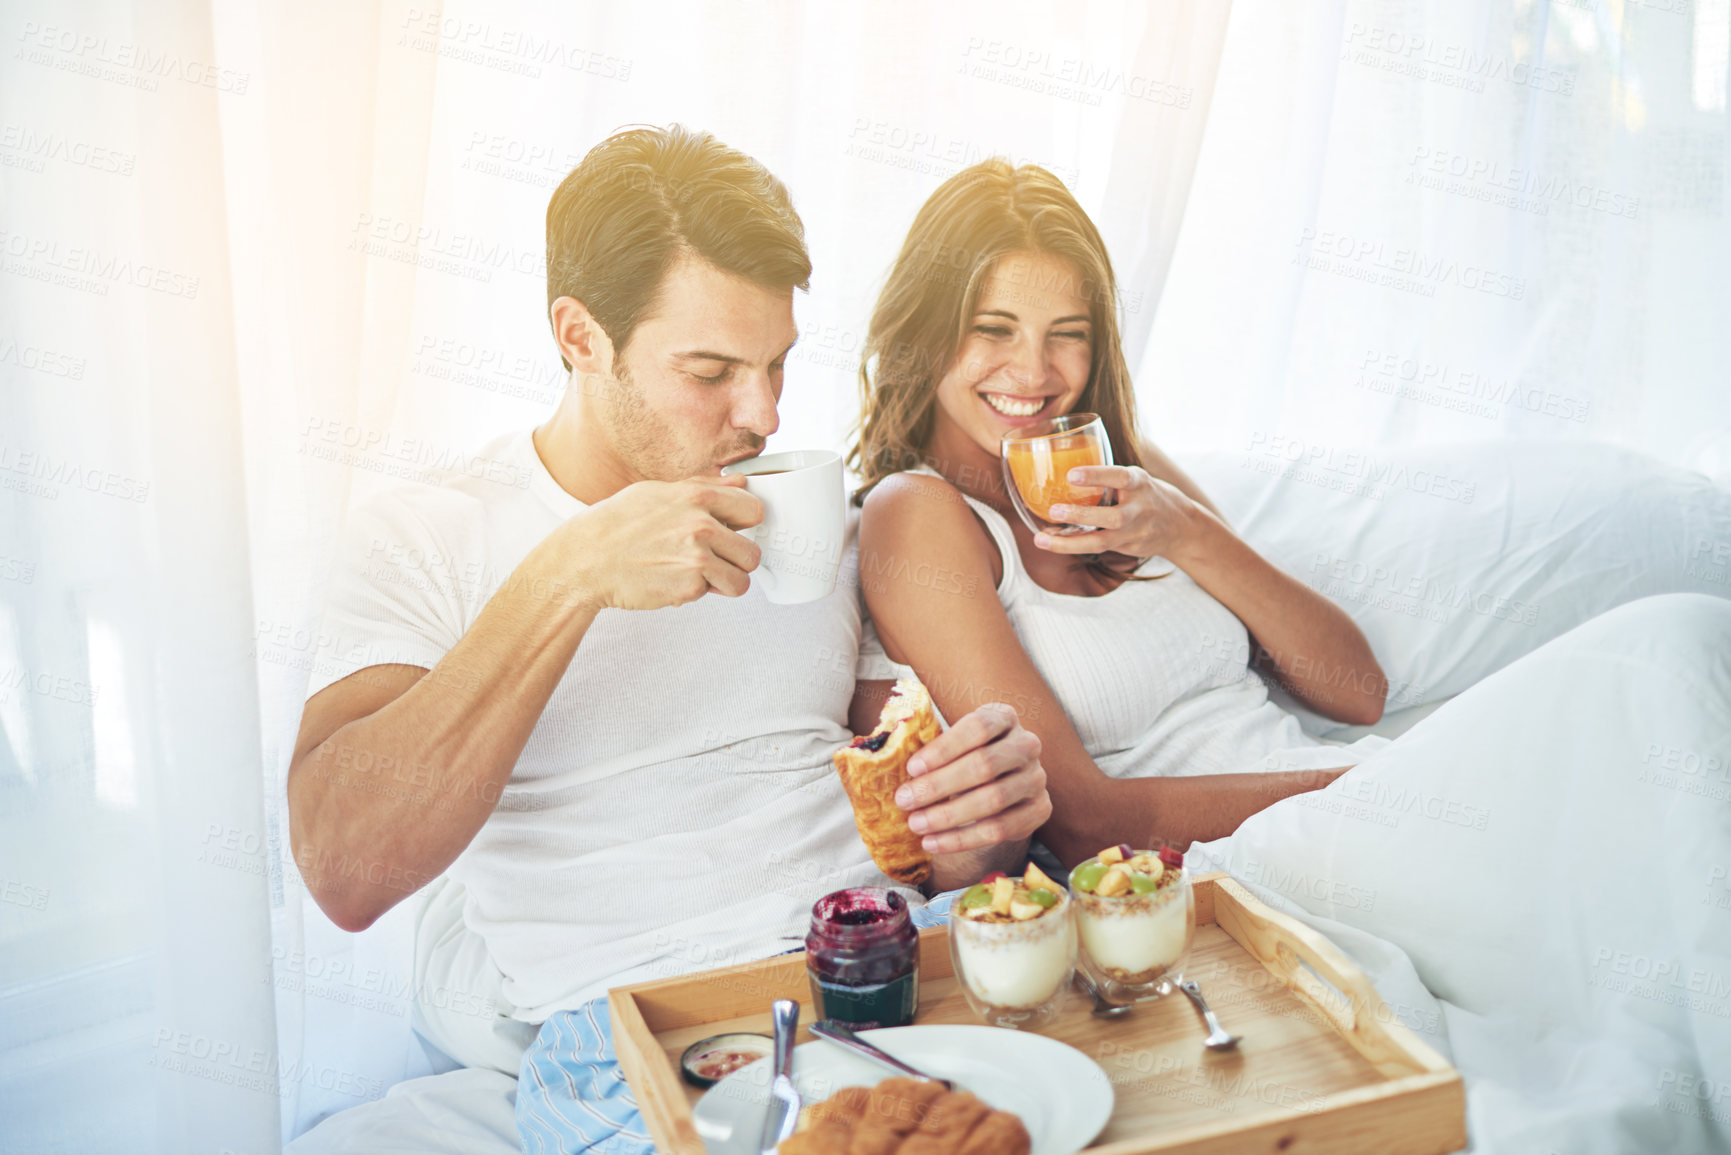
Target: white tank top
{"points": [[1155, 676]]}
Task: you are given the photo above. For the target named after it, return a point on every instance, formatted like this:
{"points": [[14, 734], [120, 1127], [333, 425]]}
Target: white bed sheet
{"points": [[461, 1112]]}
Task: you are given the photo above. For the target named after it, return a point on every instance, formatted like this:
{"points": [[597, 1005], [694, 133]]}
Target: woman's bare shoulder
{"points": [[894, 495], [923, 518]]}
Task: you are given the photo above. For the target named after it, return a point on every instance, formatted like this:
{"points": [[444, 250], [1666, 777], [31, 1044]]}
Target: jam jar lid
{"points": [[859, 914]]}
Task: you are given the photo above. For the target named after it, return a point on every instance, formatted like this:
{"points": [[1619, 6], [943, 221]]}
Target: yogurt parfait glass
{"points": [[1013, 960], [1136, 918]]}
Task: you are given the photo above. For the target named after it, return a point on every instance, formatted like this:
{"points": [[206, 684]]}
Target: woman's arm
{"points": [[932, 595], [1309, 644], [1155, 461]]}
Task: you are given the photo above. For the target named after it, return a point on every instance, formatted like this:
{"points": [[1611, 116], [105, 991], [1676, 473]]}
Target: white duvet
{"points": [[1536, 878]]}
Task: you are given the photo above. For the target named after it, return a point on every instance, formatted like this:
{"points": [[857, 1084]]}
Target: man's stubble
{"points": [[649, 444]]}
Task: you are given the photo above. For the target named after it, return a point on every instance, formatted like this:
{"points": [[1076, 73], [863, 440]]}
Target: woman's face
{"points": [[1026, 350]]}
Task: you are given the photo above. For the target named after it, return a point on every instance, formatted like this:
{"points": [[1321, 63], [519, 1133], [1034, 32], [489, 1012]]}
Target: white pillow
{"points": [[1457, 559]]}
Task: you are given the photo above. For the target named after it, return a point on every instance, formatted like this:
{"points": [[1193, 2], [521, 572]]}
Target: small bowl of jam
{"points": [[708, 1061]]}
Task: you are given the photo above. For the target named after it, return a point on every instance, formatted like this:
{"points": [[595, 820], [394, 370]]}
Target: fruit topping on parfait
{"points": [[1119, 870], [999, 898]]}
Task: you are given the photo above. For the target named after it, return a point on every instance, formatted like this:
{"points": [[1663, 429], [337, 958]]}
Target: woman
{"points": [[1000, 312], [1530, 848]]}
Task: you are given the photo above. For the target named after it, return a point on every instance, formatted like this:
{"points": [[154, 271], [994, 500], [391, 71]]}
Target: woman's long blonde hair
{"points": [[973, 220]]}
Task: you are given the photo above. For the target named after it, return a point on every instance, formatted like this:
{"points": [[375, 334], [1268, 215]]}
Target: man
{"points": [[617, 748]]}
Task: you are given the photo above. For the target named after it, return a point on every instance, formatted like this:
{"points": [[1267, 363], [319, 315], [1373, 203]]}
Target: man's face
{"points": [[699, 380]]}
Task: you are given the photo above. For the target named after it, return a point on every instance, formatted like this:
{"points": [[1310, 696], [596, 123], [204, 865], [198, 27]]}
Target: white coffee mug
{"points": [[804, 520]]}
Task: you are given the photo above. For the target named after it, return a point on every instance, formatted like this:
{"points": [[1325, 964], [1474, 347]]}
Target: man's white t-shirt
{"points": [[675, 808]]}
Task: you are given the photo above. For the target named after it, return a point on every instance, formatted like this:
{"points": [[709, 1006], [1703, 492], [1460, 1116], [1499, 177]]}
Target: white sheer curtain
{"points": [[263, 258], [135, 1007], [1439, 222]]}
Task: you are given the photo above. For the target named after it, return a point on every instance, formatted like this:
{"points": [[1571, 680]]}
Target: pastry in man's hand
{"points": [[872, 766]]}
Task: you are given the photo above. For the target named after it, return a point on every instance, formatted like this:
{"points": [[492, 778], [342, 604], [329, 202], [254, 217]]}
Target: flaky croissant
{"points": [[873, 766], [906, 1117]]}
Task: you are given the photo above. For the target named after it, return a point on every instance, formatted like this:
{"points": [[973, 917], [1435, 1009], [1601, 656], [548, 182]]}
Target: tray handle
{"points": [[1307, 963], [1341, 1007]]}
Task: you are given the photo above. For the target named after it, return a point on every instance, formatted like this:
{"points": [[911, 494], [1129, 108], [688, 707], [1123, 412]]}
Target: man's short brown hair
{"points": [[643, 197]]}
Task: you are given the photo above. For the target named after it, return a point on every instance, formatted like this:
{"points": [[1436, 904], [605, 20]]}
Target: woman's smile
{"points": [[1019, 409]]}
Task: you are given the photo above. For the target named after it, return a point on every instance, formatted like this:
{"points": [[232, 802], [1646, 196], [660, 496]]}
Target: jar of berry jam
{"points": [[863, 956]]}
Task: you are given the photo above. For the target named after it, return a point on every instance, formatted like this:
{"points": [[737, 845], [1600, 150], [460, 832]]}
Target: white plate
{"points": [[1062, 1096]]}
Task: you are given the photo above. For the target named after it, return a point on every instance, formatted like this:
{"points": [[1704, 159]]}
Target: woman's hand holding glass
{"points": [[1150, 517]]}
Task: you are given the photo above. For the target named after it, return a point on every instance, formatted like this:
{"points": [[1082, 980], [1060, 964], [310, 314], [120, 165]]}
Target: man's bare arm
{"points": [[392, 792], [396, 768]]}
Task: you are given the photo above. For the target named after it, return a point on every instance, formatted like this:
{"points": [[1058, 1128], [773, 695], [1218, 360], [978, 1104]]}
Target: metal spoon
{"points": [[1103, 1008], [1218, 1039], [842, 1035]]}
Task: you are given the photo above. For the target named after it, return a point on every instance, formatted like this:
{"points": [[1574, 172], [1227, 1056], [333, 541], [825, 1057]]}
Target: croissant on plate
{"points": [[906, 1117]]}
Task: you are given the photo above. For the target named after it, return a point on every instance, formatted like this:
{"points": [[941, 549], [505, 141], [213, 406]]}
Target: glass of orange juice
{"points": [[1037, 462]]}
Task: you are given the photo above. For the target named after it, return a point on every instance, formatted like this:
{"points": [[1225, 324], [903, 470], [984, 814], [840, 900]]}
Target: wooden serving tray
{"points": [[1324, 1065]]}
